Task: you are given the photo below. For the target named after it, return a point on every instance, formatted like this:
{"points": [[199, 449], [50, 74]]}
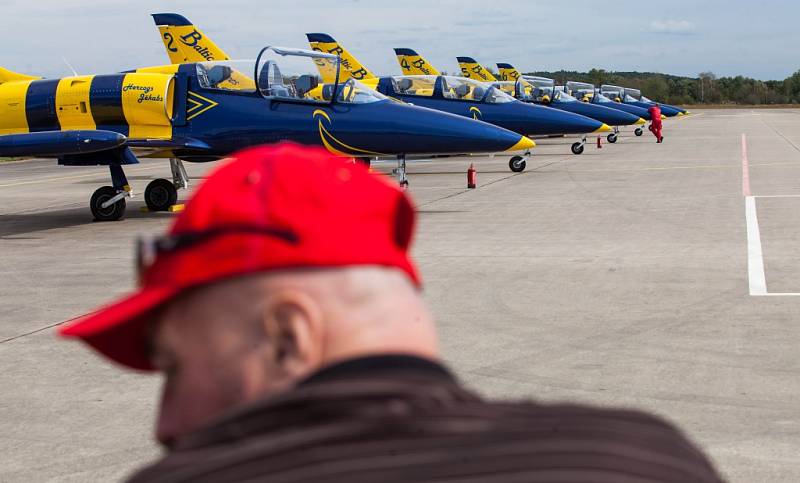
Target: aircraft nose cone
{"points": [[524, 144], [641, 122], [604, 128]]}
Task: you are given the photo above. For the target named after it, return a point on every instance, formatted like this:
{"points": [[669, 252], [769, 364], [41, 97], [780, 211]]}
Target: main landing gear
{"points": [[577, 148], [639, 131], [161, 194], [108, 203], [400, 171]]}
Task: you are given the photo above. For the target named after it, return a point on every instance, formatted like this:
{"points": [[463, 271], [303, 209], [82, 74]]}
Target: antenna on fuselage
{"points": [[74, 72]]}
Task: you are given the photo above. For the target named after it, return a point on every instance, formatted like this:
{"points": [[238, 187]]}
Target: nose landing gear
{"points": [[517, 164], [577, 148], [400, 171]]}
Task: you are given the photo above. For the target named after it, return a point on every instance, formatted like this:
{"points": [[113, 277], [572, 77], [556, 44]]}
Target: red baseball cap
{"points": [[269, 208]]}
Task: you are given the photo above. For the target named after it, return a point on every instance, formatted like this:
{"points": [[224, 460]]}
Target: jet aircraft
{"points": [[543, 90], [588, 93], [414, 64], [621, 94], [200, 112], [636, 94]]}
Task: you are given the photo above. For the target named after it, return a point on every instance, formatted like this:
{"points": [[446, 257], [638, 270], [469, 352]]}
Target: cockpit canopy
{"points": [[458, 88], [634, 93], [613, 92], [286, 74], [469, 89], [580, 90], [543, 89]]}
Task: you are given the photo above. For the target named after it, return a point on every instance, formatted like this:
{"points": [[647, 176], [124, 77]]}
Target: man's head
{"points": [[285, 260], [229, 343]]}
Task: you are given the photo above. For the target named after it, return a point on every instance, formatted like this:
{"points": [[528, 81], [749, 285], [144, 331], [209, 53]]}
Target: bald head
{"points": [[226, 344]]}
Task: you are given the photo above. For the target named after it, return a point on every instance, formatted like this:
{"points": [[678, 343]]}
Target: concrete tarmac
{"points": [[619, 277]]}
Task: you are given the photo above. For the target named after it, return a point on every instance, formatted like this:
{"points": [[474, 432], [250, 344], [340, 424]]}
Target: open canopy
{"points": [[457, 88], [286, 74]]}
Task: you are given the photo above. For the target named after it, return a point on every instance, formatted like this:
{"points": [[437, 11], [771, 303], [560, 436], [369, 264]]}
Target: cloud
{"points": [[673, 27]]}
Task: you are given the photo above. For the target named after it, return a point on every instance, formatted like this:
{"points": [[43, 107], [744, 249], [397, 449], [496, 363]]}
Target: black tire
{"points": [[577, 148], [612, 138], [160, 194], [404, 184], [111, 213], [517, 164], [639, 131]]}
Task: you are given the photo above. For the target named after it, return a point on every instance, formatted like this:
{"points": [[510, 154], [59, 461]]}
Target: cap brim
{"points": [[119, 330]]}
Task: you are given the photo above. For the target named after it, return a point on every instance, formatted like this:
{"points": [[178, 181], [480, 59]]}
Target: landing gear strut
{"points": [[400, 171], [108, 202], [161, 194], [577, 148]]}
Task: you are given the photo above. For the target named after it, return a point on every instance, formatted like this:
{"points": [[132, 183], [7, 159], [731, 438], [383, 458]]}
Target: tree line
{"points": [[706, 88]]}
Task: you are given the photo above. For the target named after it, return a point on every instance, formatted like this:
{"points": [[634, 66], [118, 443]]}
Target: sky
{"points": [[673, 37]]}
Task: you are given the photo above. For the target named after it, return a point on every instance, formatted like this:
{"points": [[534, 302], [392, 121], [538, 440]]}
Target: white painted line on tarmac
{"points": [[755, 257], [745, 169]]}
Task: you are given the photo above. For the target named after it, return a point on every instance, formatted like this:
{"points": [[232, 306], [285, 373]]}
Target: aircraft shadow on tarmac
{"points": [[143, 178], [11, 226]]}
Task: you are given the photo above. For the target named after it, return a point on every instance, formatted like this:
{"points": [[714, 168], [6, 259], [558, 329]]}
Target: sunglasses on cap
{"points": [[149, 249]]}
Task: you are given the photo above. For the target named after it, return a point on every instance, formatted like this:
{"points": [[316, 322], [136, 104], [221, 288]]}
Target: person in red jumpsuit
{"points": [[655, 126]]}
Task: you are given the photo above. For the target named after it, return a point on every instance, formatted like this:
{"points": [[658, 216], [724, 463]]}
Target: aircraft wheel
{"points": [[517, 164], [404, 184], [638, 131], [577, 148], [612, 138], [160, 194], [110, 213]]}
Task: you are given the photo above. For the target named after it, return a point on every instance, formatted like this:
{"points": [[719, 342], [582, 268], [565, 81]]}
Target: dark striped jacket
{"points": [[400, 419]]}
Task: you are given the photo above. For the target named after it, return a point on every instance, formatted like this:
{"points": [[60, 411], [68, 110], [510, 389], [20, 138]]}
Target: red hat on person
{"points": [[270, 208]]}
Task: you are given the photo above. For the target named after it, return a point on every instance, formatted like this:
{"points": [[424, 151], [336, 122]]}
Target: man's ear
{"points": [[294, 328]]}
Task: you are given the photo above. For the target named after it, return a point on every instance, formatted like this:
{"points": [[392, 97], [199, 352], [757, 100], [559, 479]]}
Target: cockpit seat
{"points": [[219, 74], [404, 84]]}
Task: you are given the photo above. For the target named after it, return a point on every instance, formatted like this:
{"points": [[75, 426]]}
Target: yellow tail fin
{"points": [[350, 65], [414, 64], [185, 42], [508, 72], [10, 76], [473, 70]]}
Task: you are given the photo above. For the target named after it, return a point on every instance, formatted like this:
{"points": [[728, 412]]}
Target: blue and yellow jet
{"points": [[205, 111], [551, 121], [586, 92], [634, 97], [543, 90]]}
